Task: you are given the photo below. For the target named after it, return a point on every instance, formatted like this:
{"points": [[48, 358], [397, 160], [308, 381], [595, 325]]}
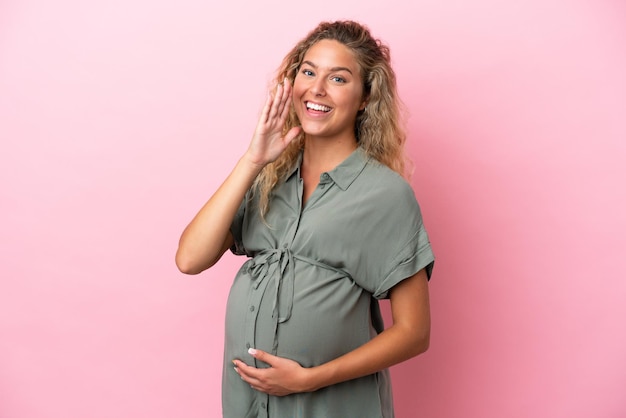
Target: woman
{"points": [[319, 205]]}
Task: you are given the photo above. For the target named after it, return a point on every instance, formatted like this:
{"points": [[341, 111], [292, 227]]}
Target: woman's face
{"points": [[328, 91]]}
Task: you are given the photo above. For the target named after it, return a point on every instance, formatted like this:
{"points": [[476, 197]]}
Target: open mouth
{"points": [[318, 107]]}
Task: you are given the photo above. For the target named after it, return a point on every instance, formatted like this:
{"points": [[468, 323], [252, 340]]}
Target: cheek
{"points": [[298, 87], [296, 98], [352, 101]]}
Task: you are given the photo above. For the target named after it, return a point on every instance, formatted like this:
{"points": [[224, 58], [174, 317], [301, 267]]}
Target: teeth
{"points": [[317, 107]]}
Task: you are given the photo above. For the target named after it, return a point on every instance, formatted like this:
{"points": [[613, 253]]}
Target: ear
{"points": [[364, 103]]}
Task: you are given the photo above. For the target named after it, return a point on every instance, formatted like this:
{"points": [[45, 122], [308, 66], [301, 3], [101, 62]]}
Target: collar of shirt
{"points": [[346, 172]]}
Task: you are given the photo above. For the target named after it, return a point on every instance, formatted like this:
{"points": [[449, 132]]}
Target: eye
{"points": [[307, 72], [338, 79]]}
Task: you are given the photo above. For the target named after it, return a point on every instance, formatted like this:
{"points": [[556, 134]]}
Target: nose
{"points": [[318, 88]]}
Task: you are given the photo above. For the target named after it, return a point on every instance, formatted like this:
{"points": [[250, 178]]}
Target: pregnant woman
{"points": [[319, 206]]}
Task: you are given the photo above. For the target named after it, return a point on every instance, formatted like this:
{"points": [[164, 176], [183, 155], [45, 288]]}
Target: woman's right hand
{"points": [[268, 141]]}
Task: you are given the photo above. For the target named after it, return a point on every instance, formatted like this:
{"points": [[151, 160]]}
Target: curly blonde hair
{"points": [[378, 128]]}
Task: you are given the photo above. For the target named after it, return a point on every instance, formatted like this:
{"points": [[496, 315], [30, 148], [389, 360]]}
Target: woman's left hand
{"points": [[283, 377]]}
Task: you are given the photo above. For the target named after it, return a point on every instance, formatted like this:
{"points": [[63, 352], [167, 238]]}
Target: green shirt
{"points": [[309, 290]]}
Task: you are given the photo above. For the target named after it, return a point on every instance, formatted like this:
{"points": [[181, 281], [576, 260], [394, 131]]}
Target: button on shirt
{"points": [[309, 290]]}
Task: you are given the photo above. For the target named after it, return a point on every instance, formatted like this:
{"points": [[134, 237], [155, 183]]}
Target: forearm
{"points": [[203, 241], [394, 345]]}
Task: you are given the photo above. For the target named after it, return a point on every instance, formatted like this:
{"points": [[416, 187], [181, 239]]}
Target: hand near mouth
{"points": [[268, 141]]}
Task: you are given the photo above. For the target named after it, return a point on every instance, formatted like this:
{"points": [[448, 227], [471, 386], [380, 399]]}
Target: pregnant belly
{"points": [[329, 317]]}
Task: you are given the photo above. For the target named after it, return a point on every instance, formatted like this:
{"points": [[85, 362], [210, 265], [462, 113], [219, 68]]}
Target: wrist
{"points": [[314, 379], [251, 165]]}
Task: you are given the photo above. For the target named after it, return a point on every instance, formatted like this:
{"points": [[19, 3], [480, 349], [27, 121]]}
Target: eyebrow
{"points": [[332, 69]]}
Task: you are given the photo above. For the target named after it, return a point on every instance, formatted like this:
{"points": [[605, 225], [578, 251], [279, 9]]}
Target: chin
{"points": [[312, 131]]}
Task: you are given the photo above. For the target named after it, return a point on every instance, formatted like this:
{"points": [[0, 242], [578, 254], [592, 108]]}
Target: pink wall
{"points": [[119, 118]]}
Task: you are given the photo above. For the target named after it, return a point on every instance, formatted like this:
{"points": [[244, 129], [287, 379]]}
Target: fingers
{"points": [[244, 371], [277, 103], [266, 108], [262, 356], [252, 373], [253, 382], [283, 377], [292, 134], [256, 378], [287, 102], [281, 99], [286, 97], [269, 141], [257, 354]]}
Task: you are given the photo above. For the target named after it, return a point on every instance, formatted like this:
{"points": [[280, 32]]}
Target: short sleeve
{"points": [[396, 245], [412, 257], [236, 229]]}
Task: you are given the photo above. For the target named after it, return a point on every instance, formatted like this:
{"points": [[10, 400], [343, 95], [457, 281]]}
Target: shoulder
{"points": [[382, 182]]}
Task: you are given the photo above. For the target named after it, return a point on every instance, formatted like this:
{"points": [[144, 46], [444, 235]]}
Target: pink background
{"points": [[119, 118]]}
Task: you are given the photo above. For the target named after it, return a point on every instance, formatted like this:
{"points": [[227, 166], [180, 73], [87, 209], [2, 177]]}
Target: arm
{"points": [[207, 237], [407, 337]]}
